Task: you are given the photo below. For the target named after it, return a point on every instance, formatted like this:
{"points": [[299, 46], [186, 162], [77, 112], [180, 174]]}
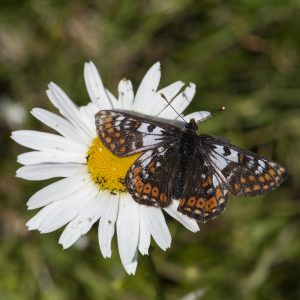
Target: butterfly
{"points": [[199, 170]]}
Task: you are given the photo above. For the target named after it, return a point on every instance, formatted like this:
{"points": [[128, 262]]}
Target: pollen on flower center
{"points": [[108, 171]]}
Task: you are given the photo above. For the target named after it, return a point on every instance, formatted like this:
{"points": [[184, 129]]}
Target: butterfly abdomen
{"points": [[185, 151]]}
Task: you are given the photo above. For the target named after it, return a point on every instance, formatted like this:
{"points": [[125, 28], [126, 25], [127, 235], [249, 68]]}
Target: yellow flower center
{"points": [[108, 171]]}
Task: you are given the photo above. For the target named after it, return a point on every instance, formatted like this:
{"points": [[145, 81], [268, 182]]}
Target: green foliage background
{"points": [[241, 54]]}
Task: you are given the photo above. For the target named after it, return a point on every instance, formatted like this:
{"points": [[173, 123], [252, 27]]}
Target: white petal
{"points": [[95, 87], [35, 221], [156, 225], [130, 268], [126, 95], [67, 108], [158, 103], [67, 209], [127, 228], [58, 190], [147, 88], [82, 223], [107, 224], [60, 124], [38, 157], [70, 235], [144, 238], [179, 103], [187, 222], [88, 114], [47, 171], [198, 116], [112, 99], [38, 140]]}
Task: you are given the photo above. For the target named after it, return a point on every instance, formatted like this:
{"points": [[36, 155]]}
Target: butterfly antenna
{"points": [[213, 113], [169, 103]]}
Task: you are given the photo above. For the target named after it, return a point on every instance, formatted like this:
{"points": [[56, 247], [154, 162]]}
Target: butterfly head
{"points": [[191, 126]]}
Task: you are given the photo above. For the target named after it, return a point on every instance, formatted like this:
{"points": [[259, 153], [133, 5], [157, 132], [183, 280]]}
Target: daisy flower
{"points": [[90, 191]]}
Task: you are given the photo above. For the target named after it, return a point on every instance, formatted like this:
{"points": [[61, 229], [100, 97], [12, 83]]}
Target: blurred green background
{"points": [[241, 54]]}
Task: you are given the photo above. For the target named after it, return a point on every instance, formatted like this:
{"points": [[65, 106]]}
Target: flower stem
{"points": [[156, 279]]}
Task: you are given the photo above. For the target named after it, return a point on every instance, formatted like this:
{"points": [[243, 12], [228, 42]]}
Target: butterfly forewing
{"points": [[124, 134]]}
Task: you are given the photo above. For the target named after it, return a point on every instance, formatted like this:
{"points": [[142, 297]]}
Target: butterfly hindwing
{"points": [[243, 172], [148, 180], [204, 196], [125, 134]]}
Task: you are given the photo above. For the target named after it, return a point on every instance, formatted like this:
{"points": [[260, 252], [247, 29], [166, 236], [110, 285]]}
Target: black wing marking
{"points": [[148, 180], [125, 134], [204, 196], [243, 172]]}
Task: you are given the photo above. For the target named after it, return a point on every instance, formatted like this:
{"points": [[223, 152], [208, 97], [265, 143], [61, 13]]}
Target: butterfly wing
{"points": [[218, 168], [148, 180], [125, 134], [204, 195], [244, 173]]}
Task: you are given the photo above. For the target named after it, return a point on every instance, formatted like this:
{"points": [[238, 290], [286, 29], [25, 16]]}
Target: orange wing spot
{"points": [[137, 125], [110, 130], [242, 157], [108, 140], [136, 171], [152, 167], [117, 134], [108, 120], [261, 179], [155, 192], [256, 188], [112, 146], [200, 202], [122, 141], [139, 185], [211, 204], [265, 187], [218, 193], [108, 125], [191, 201], [251, 178], [243, 180], [272, 172], [247, 189], [163, 197], [207, 182], [147, 188], [236, 186], [103, 134], [268, 177], [182, 202], [123, 149]]}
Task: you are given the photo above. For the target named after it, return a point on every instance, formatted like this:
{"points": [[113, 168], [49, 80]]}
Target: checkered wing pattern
{"points": [[124, 134], [205, 194], [148, 180], [218, 168], [244, 173]]}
